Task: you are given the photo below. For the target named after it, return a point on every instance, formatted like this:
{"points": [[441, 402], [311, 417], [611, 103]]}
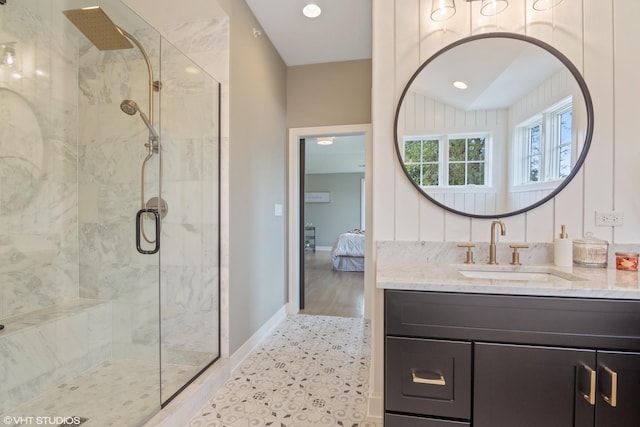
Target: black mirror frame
{"points": [[565, 61]]}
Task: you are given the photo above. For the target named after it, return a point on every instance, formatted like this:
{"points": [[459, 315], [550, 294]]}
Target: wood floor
{"points": [[329, 292]]}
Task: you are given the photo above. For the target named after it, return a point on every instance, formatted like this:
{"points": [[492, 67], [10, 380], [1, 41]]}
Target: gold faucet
{"points": [[492, 245]]}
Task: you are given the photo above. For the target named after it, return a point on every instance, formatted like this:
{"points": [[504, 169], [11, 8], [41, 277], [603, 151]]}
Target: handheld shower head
{"points": [[131, 108]]}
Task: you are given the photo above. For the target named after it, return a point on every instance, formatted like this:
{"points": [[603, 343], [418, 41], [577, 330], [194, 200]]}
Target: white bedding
{"points": [[348, 252]]}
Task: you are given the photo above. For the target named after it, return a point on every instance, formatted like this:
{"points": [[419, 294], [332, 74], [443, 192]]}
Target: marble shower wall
{"points": [[49, 334], [110, 156], [38, 158], [189, 251]]}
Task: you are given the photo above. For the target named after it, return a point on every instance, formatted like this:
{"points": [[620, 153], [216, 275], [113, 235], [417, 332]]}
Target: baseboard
{"points": [[376, 408], [245, 350]]}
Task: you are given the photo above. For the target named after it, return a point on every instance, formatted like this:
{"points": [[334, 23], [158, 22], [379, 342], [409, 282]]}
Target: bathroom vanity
{"points": [[557, 349], [486, 345]]}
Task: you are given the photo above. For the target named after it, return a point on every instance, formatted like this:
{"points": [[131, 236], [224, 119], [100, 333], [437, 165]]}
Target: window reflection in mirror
{"points": [[508, 141]]}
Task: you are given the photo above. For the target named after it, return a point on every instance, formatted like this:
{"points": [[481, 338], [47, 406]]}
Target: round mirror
{"points": [[493, 125]]}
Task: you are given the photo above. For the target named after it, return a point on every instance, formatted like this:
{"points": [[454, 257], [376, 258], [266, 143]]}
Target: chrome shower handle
{"points": [[139, 219]]}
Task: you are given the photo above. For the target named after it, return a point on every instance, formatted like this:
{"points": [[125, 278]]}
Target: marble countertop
{"points": [[539, 280]]}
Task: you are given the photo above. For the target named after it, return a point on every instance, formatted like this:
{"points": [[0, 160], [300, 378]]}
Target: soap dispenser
{"points": [[563, 249]]}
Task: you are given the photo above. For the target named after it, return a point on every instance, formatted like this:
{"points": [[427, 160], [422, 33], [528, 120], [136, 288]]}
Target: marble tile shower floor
{"points": [[312, 371], [117, 392]]}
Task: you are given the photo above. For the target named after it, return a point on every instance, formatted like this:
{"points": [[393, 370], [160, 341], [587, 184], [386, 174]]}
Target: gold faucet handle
{"points": [[469, 247], [515, 256]]}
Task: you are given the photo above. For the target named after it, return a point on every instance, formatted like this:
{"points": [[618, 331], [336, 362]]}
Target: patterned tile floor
{"points": [[312, 371]]}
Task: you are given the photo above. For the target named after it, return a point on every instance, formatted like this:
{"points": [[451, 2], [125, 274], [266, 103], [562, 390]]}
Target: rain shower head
{"points": [[94, 23], [98, 28], [131, 108]]}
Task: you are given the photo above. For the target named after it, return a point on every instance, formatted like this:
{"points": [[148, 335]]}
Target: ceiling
{"points": [[498, 71], [345, 155], [341, 33]]}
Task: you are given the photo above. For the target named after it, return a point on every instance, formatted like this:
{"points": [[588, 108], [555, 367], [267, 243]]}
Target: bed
{"points": [[348, 251]]}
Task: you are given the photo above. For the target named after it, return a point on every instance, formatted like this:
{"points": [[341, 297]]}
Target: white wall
{"points": [[598, 36]]}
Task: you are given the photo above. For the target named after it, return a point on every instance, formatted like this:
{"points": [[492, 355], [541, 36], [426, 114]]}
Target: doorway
{"points": [[332, 232], [310, 204]]}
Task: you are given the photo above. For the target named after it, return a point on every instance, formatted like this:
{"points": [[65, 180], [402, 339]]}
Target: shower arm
{"points": [[149, 69]]}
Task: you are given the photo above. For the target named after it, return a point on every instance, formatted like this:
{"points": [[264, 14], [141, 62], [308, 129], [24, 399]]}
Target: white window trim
{"points": [[549, 146], [443, 155]]}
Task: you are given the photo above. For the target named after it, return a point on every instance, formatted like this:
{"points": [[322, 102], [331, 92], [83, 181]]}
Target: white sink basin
{"points": [[521, 274]]}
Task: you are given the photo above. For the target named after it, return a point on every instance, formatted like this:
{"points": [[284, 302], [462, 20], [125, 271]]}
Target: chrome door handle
{"points": [[421, 378], [612, 399], [139, 219]]}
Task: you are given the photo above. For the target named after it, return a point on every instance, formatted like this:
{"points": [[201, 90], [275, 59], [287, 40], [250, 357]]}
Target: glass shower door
{"points": [[189, 254], [107, 310], [119, 172], [79, 303]]}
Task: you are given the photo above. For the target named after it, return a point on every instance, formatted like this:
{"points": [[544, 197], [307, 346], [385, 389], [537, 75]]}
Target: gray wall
{"points": [[257, 173], [334, 93], [265, 99], [342, 214]]}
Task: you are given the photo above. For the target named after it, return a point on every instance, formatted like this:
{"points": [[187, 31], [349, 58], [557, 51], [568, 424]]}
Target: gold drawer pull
{"points": [[420, 378], [591, 397], [612, 399]]}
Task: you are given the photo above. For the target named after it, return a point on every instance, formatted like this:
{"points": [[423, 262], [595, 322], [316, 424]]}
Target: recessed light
{"points": [[311, 10], [325, 140], [460, 85]]}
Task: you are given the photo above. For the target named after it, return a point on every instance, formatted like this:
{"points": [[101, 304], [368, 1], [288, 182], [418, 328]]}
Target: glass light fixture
{"points": [[441, 10], [545, 4], [311, 10], [493, 7]]}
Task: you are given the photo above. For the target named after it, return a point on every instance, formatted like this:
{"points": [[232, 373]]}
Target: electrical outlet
{"points": [[609, 219]]}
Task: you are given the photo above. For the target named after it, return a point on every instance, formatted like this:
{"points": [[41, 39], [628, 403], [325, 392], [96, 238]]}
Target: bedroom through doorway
{"points": [[332, 224]]}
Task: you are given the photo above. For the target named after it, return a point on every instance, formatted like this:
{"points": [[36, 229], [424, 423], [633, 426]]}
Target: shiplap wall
{"points": [[598, 36], [584, 31]]}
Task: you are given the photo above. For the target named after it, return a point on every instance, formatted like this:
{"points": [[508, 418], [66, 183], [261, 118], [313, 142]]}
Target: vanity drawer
{"points": [[577, 322], [394, 420], [428, 377]]}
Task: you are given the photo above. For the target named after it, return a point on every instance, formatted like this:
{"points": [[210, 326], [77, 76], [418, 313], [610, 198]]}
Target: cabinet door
{"points": [[618, 390], [528, 386]]}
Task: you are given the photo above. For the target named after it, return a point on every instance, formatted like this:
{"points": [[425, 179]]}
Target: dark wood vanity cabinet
{"points": [[496, 360], [626, 367]]}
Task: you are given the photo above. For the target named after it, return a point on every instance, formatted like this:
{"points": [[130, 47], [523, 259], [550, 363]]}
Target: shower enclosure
{"points": [[109, 208]]}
